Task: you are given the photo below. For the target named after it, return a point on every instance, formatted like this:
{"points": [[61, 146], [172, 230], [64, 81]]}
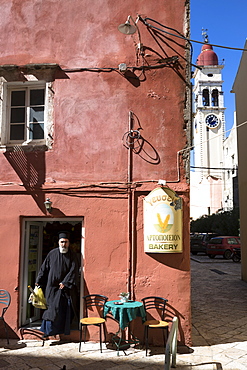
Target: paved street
{"points": [[219, 312], [219, 300]]}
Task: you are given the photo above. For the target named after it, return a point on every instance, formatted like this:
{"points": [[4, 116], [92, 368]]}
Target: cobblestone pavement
{"points": [[219, 333], [219, 313]]}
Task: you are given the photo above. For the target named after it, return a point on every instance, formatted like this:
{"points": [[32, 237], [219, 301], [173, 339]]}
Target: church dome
{"points": [[207, 57]]}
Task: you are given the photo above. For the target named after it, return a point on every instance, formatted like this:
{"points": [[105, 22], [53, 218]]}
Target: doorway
{"points": [[40, 236]]}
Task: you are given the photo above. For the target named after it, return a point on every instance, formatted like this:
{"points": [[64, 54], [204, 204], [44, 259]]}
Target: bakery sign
{"points": [[163, 219]]}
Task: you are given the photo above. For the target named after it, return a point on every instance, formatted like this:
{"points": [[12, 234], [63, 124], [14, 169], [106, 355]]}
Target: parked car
{"points": [[198, 242], [223, 246]]}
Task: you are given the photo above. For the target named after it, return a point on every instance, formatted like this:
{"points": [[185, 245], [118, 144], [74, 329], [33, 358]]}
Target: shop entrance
{"points": [[40, 236]]}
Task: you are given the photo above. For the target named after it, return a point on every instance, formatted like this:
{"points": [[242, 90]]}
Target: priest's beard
{"points": [[63, 249]]}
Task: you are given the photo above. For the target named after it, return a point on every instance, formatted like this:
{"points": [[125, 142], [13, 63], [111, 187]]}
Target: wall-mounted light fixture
{"points": [[129, 29], [48, 205]]}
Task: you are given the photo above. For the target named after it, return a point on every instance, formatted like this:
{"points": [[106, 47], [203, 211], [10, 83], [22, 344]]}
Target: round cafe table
{"points": [[124, 313]]}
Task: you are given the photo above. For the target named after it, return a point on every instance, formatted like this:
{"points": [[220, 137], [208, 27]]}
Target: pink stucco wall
{"points": [[91, 116]]}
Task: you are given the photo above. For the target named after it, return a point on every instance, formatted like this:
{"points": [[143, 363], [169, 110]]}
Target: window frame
{"points": [[5, 108], [27, 105]]}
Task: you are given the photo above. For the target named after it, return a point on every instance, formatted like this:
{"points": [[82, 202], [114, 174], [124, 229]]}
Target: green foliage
{"points": [[225, 223]]}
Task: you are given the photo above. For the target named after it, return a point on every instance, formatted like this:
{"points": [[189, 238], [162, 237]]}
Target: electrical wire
{"points": [[218, 46], [205, 141], [104, 186], [179, 35], [168, 62], [147, 24], [215, 168], [89, 69]]}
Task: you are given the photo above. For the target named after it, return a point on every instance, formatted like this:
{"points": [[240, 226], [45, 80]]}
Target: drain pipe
{"points": [[130, 211]]}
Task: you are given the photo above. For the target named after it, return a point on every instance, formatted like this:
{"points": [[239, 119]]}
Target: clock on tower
{"points": [[212, 121]]}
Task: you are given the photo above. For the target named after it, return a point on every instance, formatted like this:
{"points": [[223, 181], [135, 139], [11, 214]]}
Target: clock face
{"points": [[212, 121]]}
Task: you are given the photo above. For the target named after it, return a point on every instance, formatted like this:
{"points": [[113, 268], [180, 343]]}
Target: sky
{"points": [[225, 21]]}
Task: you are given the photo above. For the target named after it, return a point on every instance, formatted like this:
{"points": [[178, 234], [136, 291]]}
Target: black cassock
{"points": [[61, 303]]}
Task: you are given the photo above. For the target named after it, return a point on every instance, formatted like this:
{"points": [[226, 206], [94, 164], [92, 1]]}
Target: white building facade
{"points": [[208, 135], [230, 191], [213, 175]]}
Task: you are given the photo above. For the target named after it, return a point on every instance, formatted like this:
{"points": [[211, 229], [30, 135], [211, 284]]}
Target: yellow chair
{"points": [[94, 303], [155, 306]]}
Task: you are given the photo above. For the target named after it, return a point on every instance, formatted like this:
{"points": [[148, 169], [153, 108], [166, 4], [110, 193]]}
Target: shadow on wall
{"points": [[134, 141], [170, 313], [30, 167]]}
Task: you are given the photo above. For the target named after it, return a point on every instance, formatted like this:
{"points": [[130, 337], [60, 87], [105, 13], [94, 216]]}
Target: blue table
{"points": [[124, 313]]}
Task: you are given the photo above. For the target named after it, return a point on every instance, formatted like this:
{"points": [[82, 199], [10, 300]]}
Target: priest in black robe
{"points": [[59, 278]]}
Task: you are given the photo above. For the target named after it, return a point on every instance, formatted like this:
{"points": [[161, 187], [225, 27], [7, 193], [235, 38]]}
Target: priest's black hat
{"points": [[63, 234]]}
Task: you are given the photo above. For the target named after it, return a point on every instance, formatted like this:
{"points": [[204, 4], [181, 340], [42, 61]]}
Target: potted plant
{"points": [[124, 296]]}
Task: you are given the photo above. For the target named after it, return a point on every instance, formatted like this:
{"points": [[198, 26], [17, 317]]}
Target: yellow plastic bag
{"points": [[37, 298]]}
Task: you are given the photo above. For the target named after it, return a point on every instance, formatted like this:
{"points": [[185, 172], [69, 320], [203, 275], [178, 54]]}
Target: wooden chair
{"points": [[95, 303], [5, 300], [157, 306]]}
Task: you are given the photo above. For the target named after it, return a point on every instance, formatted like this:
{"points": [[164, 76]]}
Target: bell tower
{"points": [[208, 133]]}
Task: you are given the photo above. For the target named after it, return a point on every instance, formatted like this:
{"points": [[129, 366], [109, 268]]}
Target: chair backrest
{"points": [[95, 301], [4, 300], [156, 304]]}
